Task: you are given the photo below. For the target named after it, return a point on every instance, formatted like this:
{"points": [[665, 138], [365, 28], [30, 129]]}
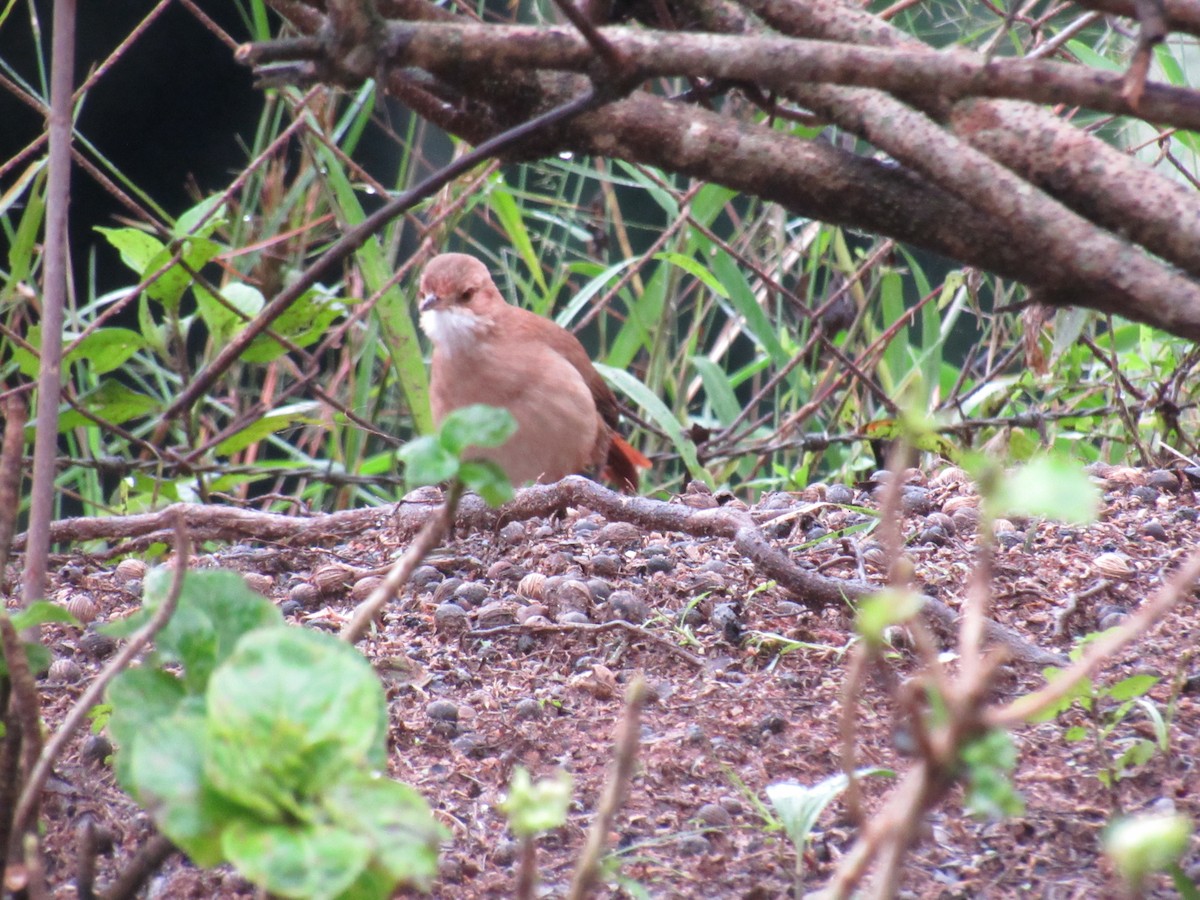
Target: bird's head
{"points": [[457, 300]]}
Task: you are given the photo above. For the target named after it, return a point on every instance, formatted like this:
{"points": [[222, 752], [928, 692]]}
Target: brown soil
{"points": [[754, 700]]}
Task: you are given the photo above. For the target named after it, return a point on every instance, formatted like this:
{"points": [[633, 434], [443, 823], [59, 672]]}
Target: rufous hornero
{"points": [[485, 350]]}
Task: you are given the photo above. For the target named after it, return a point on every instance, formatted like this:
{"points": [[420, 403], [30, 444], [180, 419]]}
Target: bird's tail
{"points": [[621, 466]]}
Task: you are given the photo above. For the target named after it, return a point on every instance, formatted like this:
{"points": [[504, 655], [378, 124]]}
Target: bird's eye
{"points": [[466, 294]]}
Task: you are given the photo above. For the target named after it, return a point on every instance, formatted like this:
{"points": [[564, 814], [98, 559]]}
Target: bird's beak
{"points": [[428, 302]]}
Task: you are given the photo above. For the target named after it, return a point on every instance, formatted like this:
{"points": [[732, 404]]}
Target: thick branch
{"points": [[777, 63], [1096, 180]]}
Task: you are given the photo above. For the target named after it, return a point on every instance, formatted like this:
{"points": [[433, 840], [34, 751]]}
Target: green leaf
{"points": [[533, 808], [799, 805], [166, 771], [879, 611], [226, 320], [1049, 486], [259, 429], [216, 608], [202, 219], [303, 323], [111, 401], [289, 712], [486, 479], [426, 461], [1140, 846], [168, 288], [41, 612], [397, 822], [476, 426], [296, 861], [135, 246], [697, 271], [717, 389], [1134, 686], [107, 349]]}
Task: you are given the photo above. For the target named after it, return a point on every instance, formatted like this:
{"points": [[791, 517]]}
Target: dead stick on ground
{"points": [[587, 872]]}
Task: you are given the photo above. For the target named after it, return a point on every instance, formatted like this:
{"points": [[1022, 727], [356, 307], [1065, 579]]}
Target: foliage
{"points": [[39, 613], [536, 807], [259, 744], [1106, 708], [763, 350], [439, 457], [799, 806], [1140, 846]]}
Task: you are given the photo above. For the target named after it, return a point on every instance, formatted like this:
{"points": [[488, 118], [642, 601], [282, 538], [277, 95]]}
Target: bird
{"points": [[487, 350]]}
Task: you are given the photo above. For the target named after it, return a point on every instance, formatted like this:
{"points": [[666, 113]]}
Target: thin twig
{"points": [[1103, 648], [625, 753], [427, 538], [93, 692]]}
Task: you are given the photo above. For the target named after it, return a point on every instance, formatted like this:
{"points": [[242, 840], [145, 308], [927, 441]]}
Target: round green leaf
{"points": [[289, 713]]}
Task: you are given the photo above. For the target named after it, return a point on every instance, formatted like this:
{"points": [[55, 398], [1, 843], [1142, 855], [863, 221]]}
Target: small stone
{"points": [[628, 606], [1187, 514], [1010, 539], [725, 619], [659, 564], [789, 608], [619, 534], [531, 611], [290, 607], [1145, 494], [65, 671], [934, 536], [600, 589], [572, 617], [83, 608], [503, 569], [532, 586], [1154, 529], [528, 708], [504, 852], [471, 744], [772, 724], [96, 749], [259, 583], [572, 594], [713, 815], [603, 565], [96, 645], [840, 494], [130, 569], [513, 533], [442, 711], [332, 578], [304, 593], [718, 566], [425, 577], [1163, 480], [692, 845], [471, 594], [496, 614], [445, 590], [816, 533], [365, 587], [450, 618], [914, 501]]}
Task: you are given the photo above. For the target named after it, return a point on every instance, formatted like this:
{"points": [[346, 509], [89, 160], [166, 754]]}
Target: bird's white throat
{"points": [[453, 330]]}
